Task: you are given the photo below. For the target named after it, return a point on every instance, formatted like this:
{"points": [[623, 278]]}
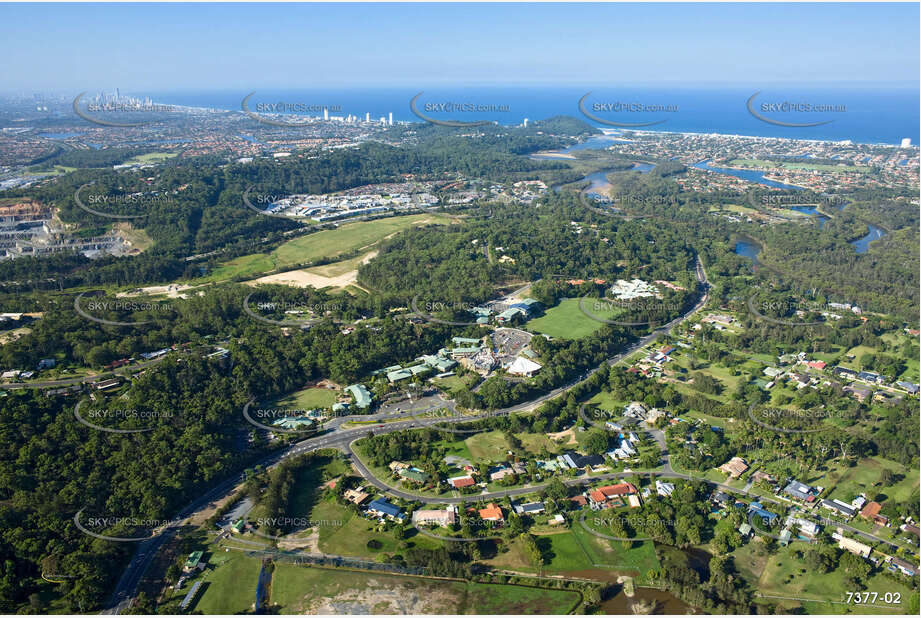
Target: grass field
{"points": [[449, 384], [231, 587], [864, 478], [243, 266], [737, 208], [346, 238], [308, 398], [608, 402], [576, 550], [534, 443], [152, 157], [638, 559], [351, 538], [488, 446], [784, 575], [57, 170], [298, 590], [763, 164], [567, 321]]}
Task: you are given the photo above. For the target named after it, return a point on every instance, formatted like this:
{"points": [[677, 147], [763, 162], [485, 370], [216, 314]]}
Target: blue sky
{"points": [[63, 47]]}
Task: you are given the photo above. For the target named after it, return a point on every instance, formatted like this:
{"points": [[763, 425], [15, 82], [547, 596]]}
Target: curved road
{"points": [[342, 438]]}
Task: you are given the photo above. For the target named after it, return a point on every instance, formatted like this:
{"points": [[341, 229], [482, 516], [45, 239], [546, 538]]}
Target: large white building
{"points": [[635, 288]]}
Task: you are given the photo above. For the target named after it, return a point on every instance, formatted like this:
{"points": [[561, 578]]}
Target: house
{"points": [[842, 508], [773, 372], [860, 393], [654, 415], [458, 482], [501, 473], [414, 475], [441, 517], [579, 501], [851, 545], [238, 526], [664, 489], [531, 508], [910, 529], [816, 364], [557, 520], [720, 498], [396, 466], [46, 363], [844, 372], [523, 367], [612, 491], [576, 461], [908, 386], [734, 467], [785, 537], [871, 509], [355, 496], [808, 528], [755, 508], [382, 508], [745, 530], [800, 491], [105, 385], [759, 476], [904, 566], [635, 410], [869, 376], [194, 562], [491, 513]]}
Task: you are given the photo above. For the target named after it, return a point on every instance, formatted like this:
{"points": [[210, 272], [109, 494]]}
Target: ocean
{"points": [[869, 116]]}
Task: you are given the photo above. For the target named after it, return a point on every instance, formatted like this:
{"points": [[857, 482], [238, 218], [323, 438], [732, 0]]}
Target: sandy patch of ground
{"points": [[13, 335], [304, 278], [172, 291], [309, 543], [379, 597], [553, 154], [564, 437]]}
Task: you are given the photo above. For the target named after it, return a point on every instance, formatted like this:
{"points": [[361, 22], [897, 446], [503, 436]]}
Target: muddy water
{"points": [[661, 601], [646, 601]]}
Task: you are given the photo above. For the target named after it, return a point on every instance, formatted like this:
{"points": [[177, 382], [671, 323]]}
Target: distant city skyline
{"points": [[176, 47]]}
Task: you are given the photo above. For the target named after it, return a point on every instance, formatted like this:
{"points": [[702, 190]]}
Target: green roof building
{"points": [[193, 559], [293, 422], [411, 474], [398, 375], [465, 340], [361, 394], [419, 369]]}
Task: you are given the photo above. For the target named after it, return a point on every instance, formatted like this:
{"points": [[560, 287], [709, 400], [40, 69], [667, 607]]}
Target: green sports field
{"points": [[568, 321]]}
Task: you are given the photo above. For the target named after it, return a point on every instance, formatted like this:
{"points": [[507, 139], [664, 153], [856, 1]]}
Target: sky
{"points": [[177, 47]]}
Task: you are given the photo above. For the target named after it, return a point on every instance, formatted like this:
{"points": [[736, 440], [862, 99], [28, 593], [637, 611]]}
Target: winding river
{"points": [[749, 175], [863, 244]]}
